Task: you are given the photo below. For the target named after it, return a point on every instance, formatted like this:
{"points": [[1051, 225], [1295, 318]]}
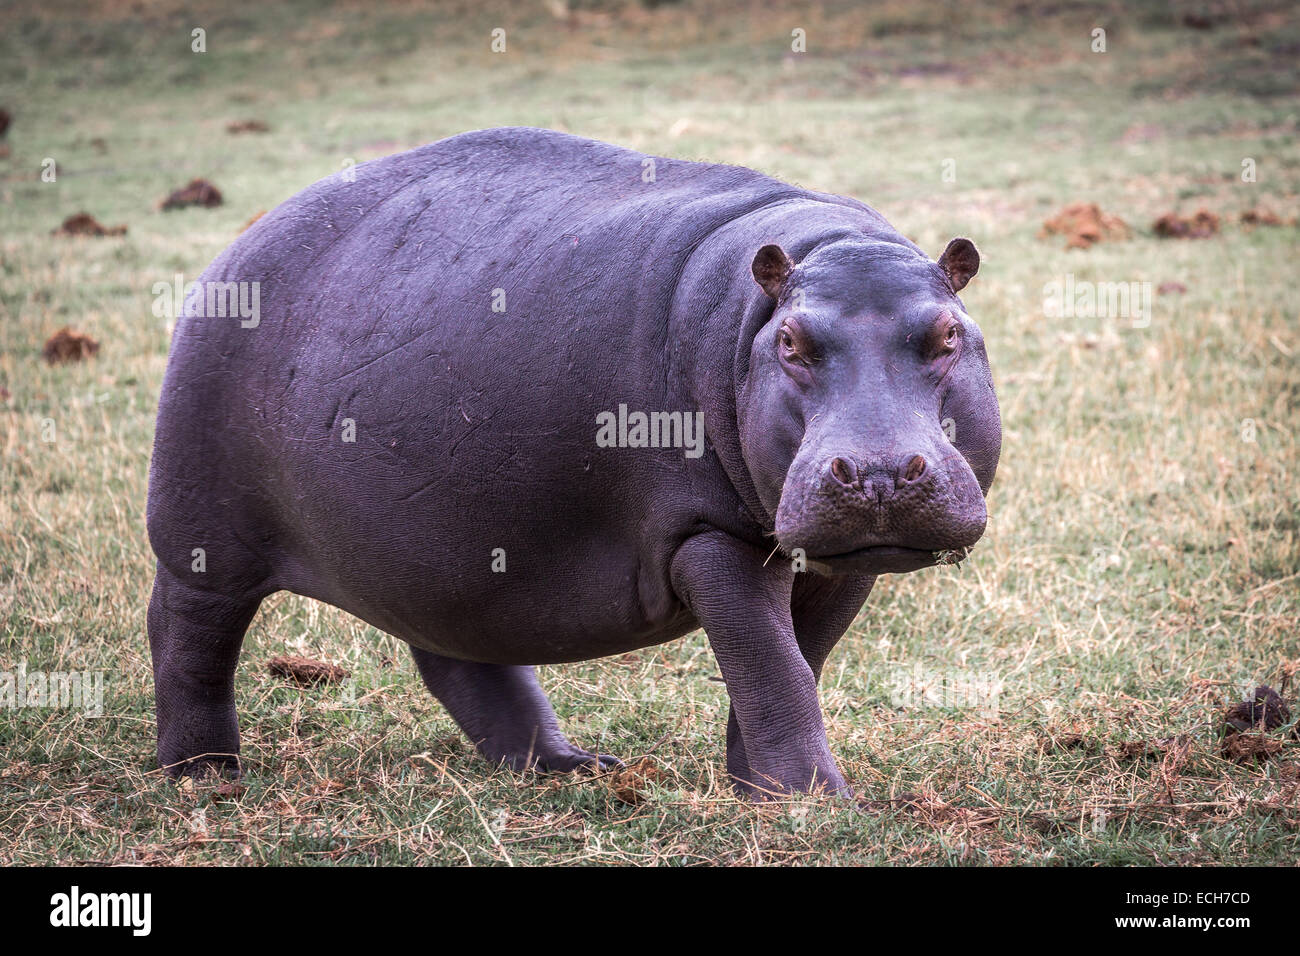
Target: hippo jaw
{"points": [[885, 559]]}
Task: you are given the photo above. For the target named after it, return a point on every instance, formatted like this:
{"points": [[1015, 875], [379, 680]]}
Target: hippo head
{"points": [[867, 416]]}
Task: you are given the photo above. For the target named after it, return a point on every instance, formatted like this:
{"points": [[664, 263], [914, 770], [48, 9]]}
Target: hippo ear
{"points": [[771, 268], [960, 262]]}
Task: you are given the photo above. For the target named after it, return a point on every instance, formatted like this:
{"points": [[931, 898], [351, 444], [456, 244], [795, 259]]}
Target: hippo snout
{"points": [[919, 500], [882, 483]]}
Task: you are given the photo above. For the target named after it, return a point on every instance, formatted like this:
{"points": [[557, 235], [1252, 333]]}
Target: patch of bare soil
{"points": [[1201, 225], [1083, 224], [235, 127], [1140, 133], [1162, 747], [229, 790], [1243, 748], [1056, 743], [199, 192], [932, 810], [84, 224], [304, 670], [1123, 750], [66, 346]]}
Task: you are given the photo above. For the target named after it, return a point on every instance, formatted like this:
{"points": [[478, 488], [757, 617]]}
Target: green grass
{"points": [[1142, 563]]}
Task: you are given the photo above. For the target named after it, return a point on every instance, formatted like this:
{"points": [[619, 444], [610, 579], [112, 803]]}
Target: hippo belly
{"points": [[417, 400]]}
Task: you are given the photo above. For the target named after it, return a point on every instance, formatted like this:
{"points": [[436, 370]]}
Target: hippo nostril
{"points": [[915, 468], [843, 471]]}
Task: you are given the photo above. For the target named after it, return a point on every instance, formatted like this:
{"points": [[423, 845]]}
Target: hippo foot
{"points": [[814, 774], [503, 710], [771, 790], [215, 767], [561, 760]]}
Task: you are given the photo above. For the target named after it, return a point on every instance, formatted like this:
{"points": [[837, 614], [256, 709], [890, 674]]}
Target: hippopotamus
{"points": [[522, 398]]}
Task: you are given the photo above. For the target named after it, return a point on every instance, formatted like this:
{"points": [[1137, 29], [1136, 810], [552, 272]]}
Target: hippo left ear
{"points": [[960, 261], [771, 267]]}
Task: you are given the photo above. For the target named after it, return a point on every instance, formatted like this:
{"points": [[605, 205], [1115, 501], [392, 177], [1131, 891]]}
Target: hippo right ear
{"points": [[771, 268]]}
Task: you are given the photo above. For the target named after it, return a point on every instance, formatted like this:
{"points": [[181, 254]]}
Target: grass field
{"points": [[1141, 567]]}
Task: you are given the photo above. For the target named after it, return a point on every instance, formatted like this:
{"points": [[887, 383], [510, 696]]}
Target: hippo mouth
{"points": [[884, 559]]}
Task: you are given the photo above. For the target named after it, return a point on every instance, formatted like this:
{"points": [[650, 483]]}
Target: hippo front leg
{"points": [[778, 745], [822, 609]]}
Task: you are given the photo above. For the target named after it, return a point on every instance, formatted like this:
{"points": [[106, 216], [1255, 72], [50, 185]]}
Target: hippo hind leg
{"points": [[505, 713], [194, 638]]}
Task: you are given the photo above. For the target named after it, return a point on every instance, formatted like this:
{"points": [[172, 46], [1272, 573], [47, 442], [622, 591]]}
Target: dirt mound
{"points": [[84, 224], [304, 670], [1263, 216], [1202, 225], [1247, 724], [199, 192], [66, 345], [1265, 711], [1083, 224], [236, 127], [629, 784]]}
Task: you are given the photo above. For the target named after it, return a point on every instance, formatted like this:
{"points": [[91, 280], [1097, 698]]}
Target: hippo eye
{"points": [[792, 350], [944, 336]]}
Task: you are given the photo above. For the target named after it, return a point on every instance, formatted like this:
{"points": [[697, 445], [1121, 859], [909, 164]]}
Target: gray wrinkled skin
{"points": [[824, 350]]}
